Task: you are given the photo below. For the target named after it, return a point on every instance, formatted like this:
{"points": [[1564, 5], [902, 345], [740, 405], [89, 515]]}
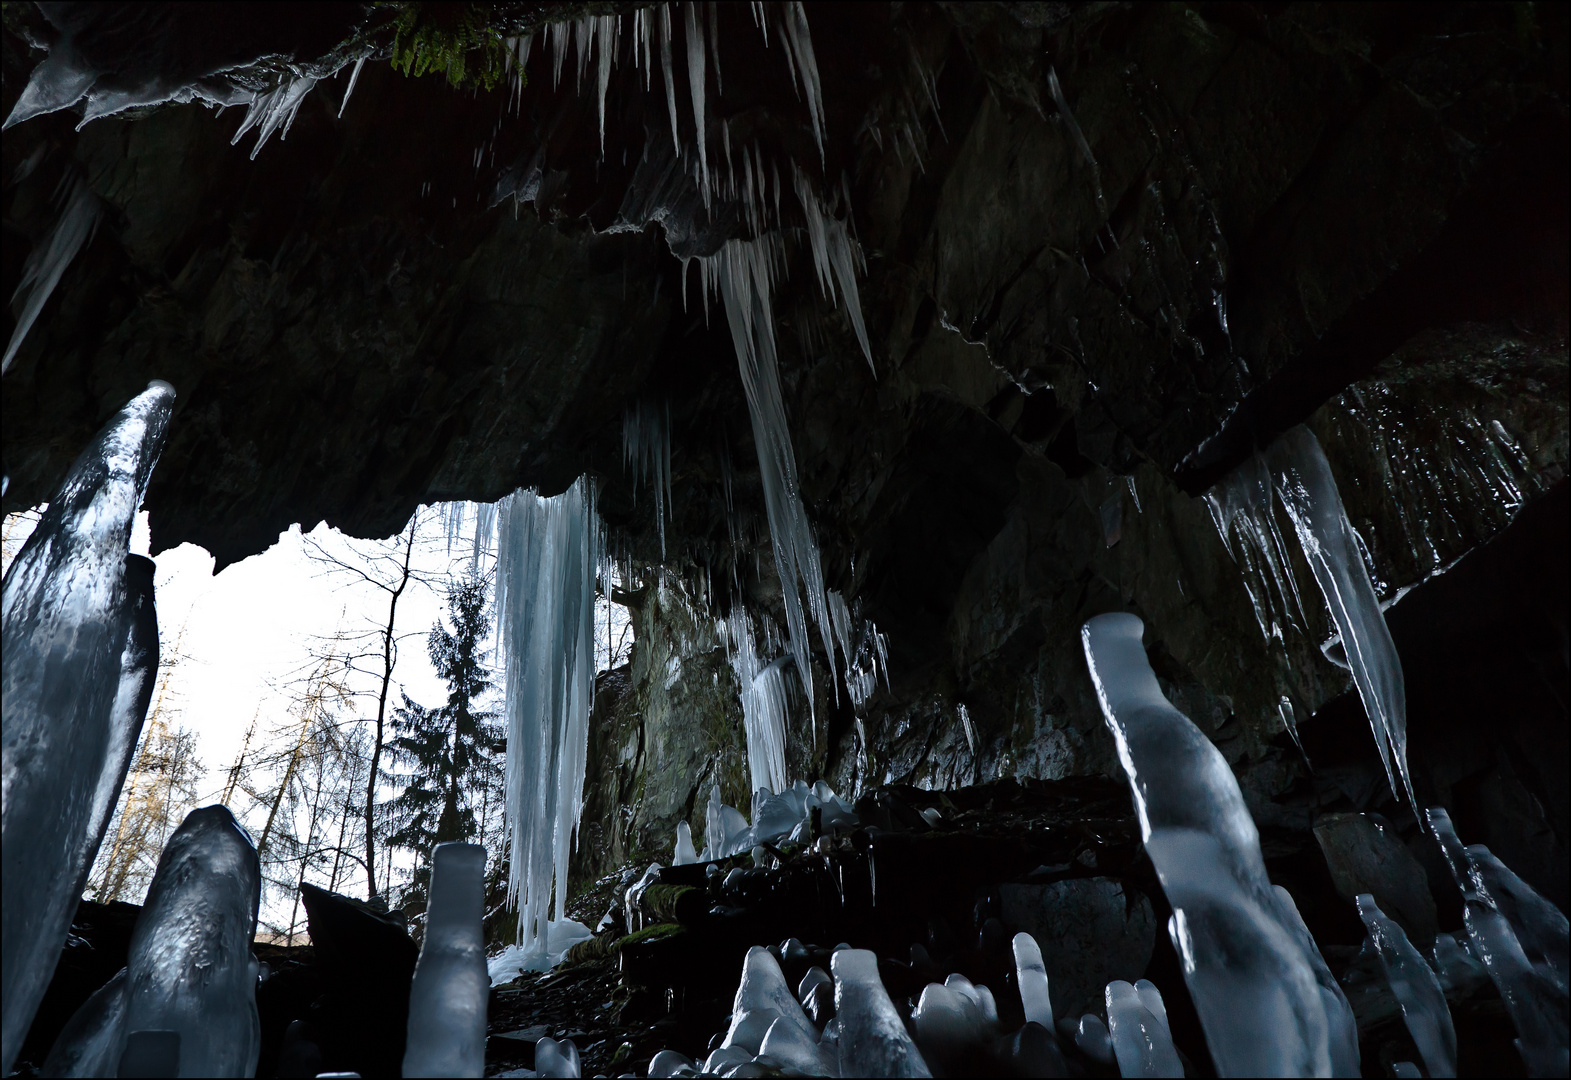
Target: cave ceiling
{"points": [[1106, 252]]}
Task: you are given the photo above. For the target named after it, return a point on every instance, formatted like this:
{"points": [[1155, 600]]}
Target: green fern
{"points": [[452, 39]]}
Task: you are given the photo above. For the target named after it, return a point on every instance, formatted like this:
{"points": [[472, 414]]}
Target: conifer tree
{"points": [[449, 751]]}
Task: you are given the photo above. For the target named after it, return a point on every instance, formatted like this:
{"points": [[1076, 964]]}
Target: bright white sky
{"points": [[248, 633]]}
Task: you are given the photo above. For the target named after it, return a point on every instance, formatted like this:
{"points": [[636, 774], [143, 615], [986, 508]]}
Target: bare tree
{"points": [[389, 568]]}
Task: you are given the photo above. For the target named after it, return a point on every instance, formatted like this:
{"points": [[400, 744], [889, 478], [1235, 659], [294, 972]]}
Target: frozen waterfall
{"points": [[549, 551], [1294, 470], [1263, 999], [67, 610], [449, 995], [765, 704]]}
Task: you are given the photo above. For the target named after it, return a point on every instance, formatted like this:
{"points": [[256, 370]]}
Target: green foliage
{"points": [[452, 752], [453, 39]]}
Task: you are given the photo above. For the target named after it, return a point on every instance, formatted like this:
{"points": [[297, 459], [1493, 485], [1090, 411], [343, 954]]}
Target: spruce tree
{"points": [[449, 751]]}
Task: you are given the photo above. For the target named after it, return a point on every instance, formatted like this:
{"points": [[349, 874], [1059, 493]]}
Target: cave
{"points": [[1091, 475]]}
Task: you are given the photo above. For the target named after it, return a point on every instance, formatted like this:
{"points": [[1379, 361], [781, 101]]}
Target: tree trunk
{"points": [[381, 717]]}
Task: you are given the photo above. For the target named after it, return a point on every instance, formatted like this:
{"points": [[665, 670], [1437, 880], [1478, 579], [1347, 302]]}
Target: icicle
{"points": [[354, 77], [1079, 136], [1302, 478], [560, 32], [584, 41], [1266, 1002], [46, 263], [66, 614], [609, 28], [670, 86], [801, 39], [485, 528], [714, 43], [272, 110], [695, 84], [835, 257], [646, 446], [743, 272], [549, 551]]}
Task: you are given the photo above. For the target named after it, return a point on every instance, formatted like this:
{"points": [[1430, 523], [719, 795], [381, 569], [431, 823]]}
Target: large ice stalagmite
{"points": [[66, 611], [873, 1039], [1533, 989], [138, 669], [190, 968], [549, 551], [1262, 1001], [448, 998], [1415, 987]]}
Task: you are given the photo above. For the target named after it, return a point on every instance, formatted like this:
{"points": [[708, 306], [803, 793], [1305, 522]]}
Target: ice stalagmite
{"points": [[743, 273], [138, 666], [1416, 989], [190, 969], [1031, 976], [447, 1000], [89, 1043], [66, 611], [1308, 491], [47, 262], [548, 553], [873, 1039], [1533, 990], [1259, 994], [1141, 1041]]}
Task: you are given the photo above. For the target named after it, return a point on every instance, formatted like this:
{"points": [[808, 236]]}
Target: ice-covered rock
{"points": [[447, 1001], [763, 997], [873, 1039], [66, 613], [89, 1044], [552, 1058], [1534, 993], [190, 968], [1246, 958], [1137, 1028], [1415, 987], [515, 960]]}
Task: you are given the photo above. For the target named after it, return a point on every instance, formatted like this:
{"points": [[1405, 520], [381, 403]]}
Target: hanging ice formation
{"points": [[765, 704], [1266, 1000], [1415, 988], [80, 211], [66, 614], [646, 449], [836, 258], [451, 989], [189, 972], [1522, 939], [1294, 472], [548, 553]]}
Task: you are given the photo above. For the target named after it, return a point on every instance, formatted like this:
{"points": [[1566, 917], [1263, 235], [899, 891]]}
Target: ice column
{"points": [[1261, 1000], [1416, 989], [764, 704], [873, 1039], [190, 969], [1533, 990], [447, 1000], [743, 273], [549, 551], [66, 610]]}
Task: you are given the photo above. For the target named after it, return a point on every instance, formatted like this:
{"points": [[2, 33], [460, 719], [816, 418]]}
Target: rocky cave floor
{"points": [[1060, 859]]}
